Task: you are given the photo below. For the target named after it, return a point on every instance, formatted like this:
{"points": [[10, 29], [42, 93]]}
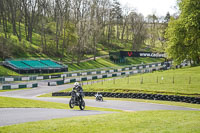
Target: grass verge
{"points": [[8, 102], [14, 89], [129, 122]]}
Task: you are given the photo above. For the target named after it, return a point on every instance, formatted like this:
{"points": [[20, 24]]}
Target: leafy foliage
{"points": [[183, 34]]}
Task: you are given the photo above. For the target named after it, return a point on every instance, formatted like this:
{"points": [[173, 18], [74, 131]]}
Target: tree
{"points": [[138, 29], [162, 28], [3, 14], [117, 14], [183, 34], [81, 13], [167, 17], [126, 11], [152, 20]]}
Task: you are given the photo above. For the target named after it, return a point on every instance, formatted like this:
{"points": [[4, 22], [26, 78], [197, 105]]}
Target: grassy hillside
{"points": [[106, 62], [183, 81], [5, 72], [99, 63], [25, 49], [15, 49]]}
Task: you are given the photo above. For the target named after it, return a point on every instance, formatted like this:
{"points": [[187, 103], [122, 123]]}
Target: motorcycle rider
{"points": [[78, 88]]}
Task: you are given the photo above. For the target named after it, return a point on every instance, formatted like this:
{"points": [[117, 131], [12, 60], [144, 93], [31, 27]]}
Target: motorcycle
{"points": [[99, 97], [76, 100]]}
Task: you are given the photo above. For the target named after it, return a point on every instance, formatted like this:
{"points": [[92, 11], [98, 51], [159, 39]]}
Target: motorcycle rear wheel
{"points": [[102, 99]]}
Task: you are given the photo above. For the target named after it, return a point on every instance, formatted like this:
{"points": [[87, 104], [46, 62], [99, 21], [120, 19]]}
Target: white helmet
{"points": [[76, 84]]}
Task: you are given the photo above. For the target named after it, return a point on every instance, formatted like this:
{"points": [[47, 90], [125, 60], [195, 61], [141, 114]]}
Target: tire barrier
{"points": [[194, 100], [18, 86]]}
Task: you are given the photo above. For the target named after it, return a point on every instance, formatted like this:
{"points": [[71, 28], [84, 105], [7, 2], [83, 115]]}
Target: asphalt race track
{"points": [[9, 116]]}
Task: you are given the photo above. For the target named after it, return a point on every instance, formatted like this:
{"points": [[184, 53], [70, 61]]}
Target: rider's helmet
{"points": [[76, 84]]}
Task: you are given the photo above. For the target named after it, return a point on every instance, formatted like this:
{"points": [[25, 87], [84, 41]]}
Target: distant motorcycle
{"points": [[99, 97], [76, 100]]}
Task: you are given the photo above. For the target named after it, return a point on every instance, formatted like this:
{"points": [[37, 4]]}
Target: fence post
{"points": [[128, 80], [190, 80], [141, 82], [157, 80], [173, 80]]}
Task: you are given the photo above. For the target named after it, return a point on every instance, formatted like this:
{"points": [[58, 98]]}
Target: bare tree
{"points": [[152, 21], [125, 14], [3, 16], [30, 14], [138, 30], [81, 14]]}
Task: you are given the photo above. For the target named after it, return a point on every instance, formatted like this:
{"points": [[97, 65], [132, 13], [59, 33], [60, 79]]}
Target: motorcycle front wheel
{"points": [[71, 105], [82, 105]]}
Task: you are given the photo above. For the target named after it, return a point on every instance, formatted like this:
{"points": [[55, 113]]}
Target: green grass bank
{"points": [[129, 122], [185, 81]]}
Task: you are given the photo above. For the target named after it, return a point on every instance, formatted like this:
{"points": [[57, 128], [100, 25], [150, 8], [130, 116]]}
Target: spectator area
{"points": [[19, 64], [35, 66], [50, 63]]}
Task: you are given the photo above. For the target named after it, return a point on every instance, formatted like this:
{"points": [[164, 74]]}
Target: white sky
{"points": [[146, 7]]}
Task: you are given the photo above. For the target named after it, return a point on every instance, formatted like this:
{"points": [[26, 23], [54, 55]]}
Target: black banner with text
{"points": [[142, 54]]}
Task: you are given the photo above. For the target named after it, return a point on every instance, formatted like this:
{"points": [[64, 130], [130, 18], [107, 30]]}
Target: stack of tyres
{"points": [[125, 95], [106, 94], [148, 96], [86, 93], [116, 95], [129, 95], [139, 95], [170, 97], [197, 100], [191, 99], [158, 97], [113, 94], [133, 95], [109, 94], [91, 94], [68, 94], [143, 96], [103, 94], [175, 98]]}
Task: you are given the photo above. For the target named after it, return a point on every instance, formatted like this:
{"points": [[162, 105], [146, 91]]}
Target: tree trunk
{"points": [[4, 25], [94, 43], [57, 39], [123, 30], [63, 45]]}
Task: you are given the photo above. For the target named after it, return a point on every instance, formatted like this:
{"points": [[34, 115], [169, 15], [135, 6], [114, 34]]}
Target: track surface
{"points": [[9, 116]]}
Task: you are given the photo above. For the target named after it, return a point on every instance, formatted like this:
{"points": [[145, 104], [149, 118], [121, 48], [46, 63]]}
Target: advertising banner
{"points": [[142, 54]]}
